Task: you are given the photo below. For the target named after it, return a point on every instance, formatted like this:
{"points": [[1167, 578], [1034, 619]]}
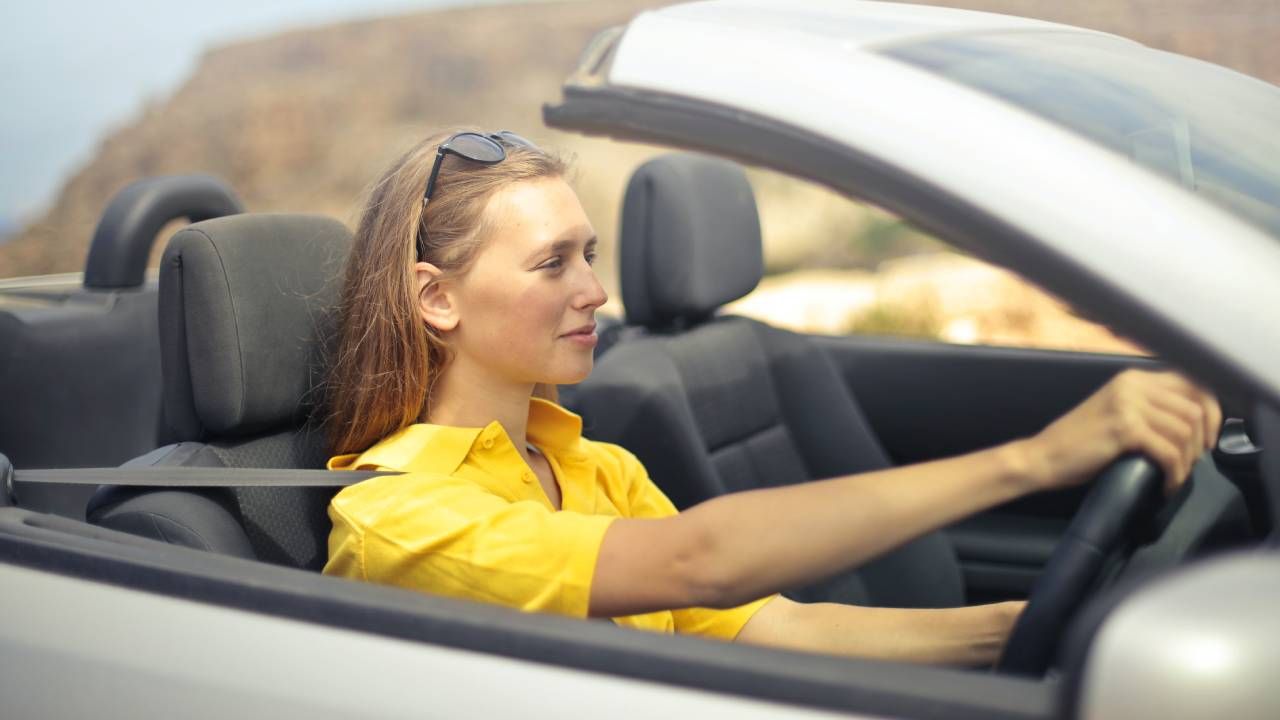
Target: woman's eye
{"points": [[557, 262]]}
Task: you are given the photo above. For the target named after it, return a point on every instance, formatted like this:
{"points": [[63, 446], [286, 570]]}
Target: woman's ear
{"points": [[435, 302]]}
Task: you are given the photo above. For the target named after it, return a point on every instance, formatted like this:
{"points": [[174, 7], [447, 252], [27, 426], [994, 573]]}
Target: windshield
{"points": [[1209, 129]]}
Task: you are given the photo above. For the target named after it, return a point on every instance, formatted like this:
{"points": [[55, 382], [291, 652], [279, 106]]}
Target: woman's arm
{"points": [[742, 546], [969, 636]]}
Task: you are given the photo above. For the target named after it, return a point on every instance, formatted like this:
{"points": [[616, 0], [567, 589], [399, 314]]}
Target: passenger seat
{"points": [[246, 304]]}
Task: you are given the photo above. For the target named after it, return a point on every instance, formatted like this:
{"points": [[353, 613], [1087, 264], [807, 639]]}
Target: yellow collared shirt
{"points": [[469, 519]]}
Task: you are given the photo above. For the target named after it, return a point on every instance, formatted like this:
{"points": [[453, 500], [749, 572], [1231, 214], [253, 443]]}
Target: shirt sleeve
{"points": [[648, 501], [451, 537]]}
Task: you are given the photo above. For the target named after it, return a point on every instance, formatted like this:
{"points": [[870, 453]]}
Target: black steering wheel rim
{"points": [[1125, 493]]}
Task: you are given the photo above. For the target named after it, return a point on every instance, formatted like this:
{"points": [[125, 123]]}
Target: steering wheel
{"points": [[1125, 493]]}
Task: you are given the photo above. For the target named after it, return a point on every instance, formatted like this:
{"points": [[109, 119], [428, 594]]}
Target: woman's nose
{"points": [[591, 293]]}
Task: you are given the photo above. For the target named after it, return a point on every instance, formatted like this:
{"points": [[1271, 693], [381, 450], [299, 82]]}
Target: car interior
{"points": [[777, 414], [94, 342], [709, 402], [245, 305]]}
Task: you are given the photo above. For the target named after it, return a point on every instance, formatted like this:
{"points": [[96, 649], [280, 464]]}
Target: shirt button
{"points": [[527, 476], [488, 443]]}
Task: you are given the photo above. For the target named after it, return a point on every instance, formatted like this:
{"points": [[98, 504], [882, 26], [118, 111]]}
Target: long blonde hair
{"points": [[386, 358]]}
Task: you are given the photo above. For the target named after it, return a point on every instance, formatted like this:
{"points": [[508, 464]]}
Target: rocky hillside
{"points": [[303, 121]]}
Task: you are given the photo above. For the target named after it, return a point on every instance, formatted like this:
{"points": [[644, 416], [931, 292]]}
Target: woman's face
{"points": [[524, 312]]}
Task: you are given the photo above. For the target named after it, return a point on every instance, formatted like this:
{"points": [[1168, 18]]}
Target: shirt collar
{"points": [[552, 427], [423, 447]]}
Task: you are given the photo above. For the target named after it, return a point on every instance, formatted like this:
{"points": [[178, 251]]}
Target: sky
{"points": [[74, 70]]}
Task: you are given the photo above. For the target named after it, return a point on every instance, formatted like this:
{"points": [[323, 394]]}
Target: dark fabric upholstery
{"points": [[242, 299], [720, 405], [200, 519], [246, 307], [284, 525], [736, 405], [696, 239]]}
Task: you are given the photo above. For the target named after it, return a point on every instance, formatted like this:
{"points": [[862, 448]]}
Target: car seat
{"points": [[713, 404], [79, 363], [245, 307]]}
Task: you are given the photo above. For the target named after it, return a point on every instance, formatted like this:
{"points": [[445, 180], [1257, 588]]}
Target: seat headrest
{"points": [[690, 239], [246, 306]]}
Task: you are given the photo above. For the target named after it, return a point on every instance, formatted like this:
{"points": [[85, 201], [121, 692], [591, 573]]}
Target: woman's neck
{"points": [[464, 396]]}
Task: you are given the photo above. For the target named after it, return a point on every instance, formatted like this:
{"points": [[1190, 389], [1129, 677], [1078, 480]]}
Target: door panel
{"points": [[1002, 553], [928, 400]]}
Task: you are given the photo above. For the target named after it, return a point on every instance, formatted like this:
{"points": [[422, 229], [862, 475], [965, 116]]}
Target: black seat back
{"points": [[715, 404], [246, 304]]}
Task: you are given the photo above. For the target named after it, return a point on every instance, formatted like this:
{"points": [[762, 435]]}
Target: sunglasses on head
{"points": [[476, 147]]}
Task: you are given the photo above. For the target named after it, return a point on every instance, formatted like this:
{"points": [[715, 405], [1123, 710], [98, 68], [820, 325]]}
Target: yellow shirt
{"points": [[470, 519]]}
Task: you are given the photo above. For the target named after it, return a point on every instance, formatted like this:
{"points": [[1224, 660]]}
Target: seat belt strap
{"points": [[188, 477]]}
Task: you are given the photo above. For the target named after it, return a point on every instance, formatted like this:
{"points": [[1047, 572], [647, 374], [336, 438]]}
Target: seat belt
{"points": [[178, 477]]}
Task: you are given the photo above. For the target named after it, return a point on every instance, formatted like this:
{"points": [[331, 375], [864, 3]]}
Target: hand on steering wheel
{"points": [[1157, 415]]}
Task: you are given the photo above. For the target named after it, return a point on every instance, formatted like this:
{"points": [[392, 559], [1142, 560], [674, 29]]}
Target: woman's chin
{"points": [[571, 375]]}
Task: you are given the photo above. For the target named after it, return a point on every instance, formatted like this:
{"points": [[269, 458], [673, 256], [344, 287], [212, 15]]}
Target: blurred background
{"points": [[299, 104]]}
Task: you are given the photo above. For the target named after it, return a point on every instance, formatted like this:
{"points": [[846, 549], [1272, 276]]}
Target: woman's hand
{"points": [[1159, 414], [972, 636]]}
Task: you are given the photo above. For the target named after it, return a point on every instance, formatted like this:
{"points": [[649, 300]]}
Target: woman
{"points": [[470, 294]]}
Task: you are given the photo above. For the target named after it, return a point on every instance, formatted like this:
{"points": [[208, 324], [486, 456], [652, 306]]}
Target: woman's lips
{"points": [[584, 336]]}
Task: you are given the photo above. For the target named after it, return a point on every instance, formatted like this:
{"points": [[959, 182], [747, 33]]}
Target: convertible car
{"points": [[178, 573]]}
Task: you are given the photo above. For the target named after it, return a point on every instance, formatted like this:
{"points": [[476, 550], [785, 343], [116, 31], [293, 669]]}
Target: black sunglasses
{"points": [[478, 148], [483, 149]]}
